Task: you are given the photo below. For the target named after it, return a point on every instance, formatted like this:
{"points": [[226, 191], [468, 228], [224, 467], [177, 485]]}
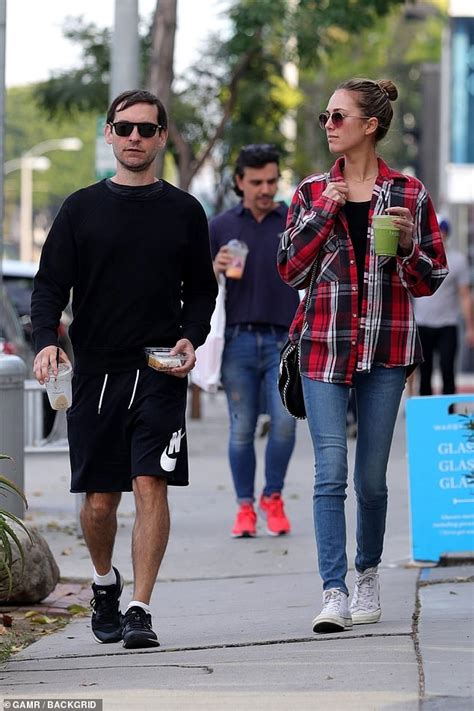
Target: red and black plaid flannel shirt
{"points": [[335, 340]]}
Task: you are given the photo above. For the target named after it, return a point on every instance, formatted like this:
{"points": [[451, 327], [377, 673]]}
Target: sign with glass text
{"points": [[440, 438]]}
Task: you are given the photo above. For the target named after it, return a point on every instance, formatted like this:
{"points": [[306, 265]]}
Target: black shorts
{"points": [[125, 425]]}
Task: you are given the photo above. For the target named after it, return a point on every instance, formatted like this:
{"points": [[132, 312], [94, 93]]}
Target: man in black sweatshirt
{"points": [[135, 252]]}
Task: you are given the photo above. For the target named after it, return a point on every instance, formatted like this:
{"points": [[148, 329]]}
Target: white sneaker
{"points": [[335, 615], [365, 604]]}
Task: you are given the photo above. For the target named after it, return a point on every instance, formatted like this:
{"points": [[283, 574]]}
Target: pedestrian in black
{"points": [[439, 317], [135, 252]]}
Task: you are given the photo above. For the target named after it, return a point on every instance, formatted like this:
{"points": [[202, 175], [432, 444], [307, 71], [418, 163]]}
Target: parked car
{"points": [[18, 280], [12, 335]]}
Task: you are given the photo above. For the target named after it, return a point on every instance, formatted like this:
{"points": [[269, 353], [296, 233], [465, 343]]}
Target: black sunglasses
{"points": [[336, 117], [125, 128]]}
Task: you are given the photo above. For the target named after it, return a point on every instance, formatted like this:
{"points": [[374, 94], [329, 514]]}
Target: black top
{"points": [[357, 214], [260, 297], [139, 265]]}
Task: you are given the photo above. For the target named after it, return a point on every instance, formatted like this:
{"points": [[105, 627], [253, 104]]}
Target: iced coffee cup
{"points": [[59, 388], [238, 252], [385, 235]]}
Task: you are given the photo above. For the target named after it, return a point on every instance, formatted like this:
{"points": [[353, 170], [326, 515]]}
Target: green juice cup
{"points": [[385, 235]]}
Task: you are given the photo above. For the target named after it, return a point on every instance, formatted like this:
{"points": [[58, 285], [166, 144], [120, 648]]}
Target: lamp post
{"points": [[40, 163], [37, 163], [27, 165]]}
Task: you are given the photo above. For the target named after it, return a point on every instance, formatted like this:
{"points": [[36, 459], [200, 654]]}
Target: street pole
{"points": [[429, 144], [29, 161], [125, 48], [12, 368], [3, 18], [26, 209], [445, 128]]}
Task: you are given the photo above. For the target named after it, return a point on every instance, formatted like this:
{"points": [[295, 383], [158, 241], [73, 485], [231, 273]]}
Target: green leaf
{"points": [[14, 518], [9, 485], [76, 609], [6, 546], [15, 538], [39, 619], [6, 569]]}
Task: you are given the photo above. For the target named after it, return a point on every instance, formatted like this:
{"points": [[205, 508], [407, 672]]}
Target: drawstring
{"points": [[134, 389], [102, 393]]}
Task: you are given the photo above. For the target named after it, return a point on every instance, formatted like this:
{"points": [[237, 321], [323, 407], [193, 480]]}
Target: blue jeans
{"points": [[251, 360], [378, 395]]}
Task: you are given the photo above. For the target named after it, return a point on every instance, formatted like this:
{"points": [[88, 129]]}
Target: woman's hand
{"points": [[404, 222], [337, 192]]}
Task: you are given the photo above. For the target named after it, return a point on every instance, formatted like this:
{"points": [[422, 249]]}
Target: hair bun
{"points": [[388, 88]]}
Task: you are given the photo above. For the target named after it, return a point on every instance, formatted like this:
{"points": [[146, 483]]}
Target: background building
{"points": [[457, 133]]}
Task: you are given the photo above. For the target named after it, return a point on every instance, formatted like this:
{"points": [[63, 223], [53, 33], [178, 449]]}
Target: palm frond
{"points": [[10, 532], [7, 514], [8, 485], [6, 571], [8, 536], [6, 548]]}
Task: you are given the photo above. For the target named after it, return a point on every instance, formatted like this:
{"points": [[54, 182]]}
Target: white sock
{"points": [[137, 603], [108, 579]]}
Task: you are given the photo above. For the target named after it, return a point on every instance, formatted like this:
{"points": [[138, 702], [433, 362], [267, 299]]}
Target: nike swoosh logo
{"points": [[167, 463]]}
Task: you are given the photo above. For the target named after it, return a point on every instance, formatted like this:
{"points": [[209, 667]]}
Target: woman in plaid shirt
{"points": [[356, 329]]}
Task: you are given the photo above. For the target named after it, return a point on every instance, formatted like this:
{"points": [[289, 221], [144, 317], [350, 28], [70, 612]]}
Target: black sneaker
{"points": [[137, 631], [106, 619]]}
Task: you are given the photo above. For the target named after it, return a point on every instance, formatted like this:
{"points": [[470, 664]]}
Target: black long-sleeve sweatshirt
{"points": [[140, 269]]}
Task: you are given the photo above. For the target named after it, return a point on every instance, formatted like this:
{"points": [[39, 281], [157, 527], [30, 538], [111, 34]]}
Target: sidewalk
{"points": [[234, 616]]}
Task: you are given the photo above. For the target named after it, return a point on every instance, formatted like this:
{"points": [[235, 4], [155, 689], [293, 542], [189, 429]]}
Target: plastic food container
{"points": [[161, 358]]}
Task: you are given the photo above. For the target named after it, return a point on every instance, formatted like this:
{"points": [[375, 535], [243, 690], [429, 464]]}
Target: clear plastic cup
{"points": [[59, 388], [161, 359], [238, 252], [385, 235]]}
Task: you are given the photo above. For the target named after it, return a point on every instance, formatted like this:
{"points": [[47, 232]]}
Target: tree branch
{"points": [[192, 167]]}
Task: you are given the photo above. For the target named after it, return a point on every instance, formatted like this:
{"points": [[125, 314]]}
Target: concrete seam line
{"points": [[416, 640], [446, 581], [235, 645]]}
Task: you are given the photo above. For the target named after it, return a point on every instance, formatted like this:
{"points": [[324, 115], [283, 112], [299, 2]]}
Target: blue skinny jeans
{"points": [[251, 361], [378, 395]]}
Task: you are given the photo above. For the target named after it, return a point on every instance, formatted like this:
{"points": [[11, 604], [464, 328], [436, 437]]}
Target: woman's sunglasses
{"points": [[336, 117], [125, 128]]}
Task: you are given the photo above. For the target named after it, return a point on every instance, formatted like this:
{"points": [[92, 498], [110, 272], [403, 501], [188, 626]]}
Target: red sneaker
{"points": [[245, 522], [272, 507]]}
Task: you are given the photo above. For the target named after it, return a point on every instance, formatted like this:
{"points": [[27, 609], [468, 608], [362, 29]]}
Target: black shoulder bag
{"points": [[289, 378]]}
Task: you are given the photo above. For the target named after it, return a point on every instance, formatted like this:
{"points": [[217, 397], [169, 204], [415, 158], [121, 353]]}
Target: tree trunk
{"points": [[161, 74], [185, 156]]}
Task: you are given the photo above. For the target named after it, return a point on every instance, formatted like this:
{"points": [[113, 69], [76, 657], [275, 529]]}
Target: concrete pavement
{"points": [[234, 616]]}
